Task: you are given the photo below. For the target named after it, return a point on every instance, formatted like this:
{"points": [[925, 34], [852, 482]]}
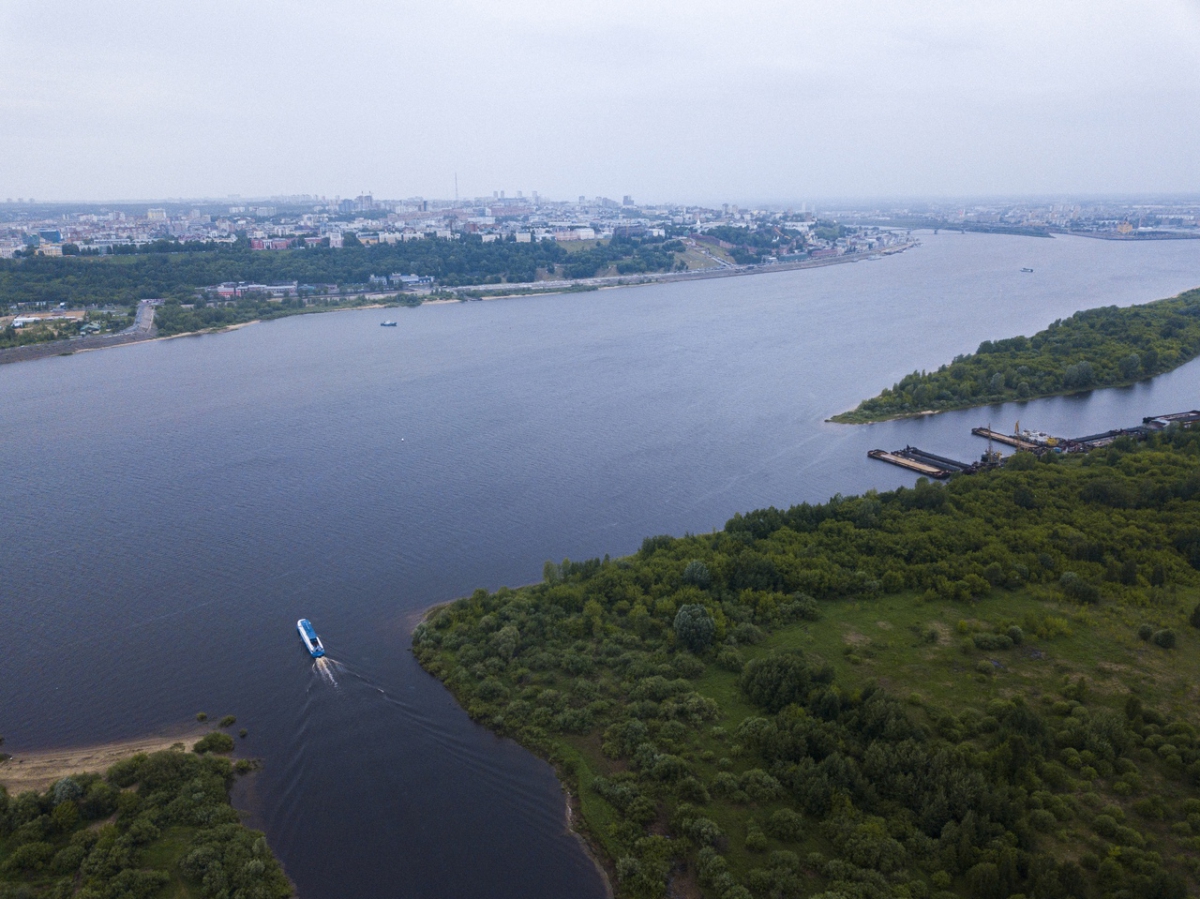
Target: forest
{"points": [[153, 825], [124, 279], [1105, 347], [981, 689]]}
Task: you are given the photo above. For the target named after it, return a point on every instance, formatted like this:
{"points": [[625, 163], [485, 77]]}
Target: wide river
{"points": [[170, 509]]}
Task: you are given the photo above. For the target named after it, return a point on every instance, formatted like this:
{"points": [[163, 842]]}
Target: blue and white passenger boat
{"points": [[310, 638]]}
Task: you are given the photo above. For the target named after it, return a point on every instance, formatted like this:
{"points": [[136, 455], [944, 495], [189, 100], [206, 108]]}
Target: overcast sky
{"points": [[735, 101]]}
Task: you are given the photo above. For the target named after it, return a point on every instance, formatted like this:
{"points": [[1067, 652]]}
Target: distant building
{"points": [[156, 215]]}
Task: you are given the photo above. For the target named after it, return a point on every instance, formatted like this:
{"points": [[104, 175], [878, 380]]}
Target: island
{"points": [[1106, 347], [154, 824], [980, 689]]}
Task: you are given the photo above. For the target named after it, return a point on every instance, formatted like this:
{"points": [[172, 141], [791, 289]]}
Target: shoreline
{"points": [[34, 351], [573, 819], [41, 768]]}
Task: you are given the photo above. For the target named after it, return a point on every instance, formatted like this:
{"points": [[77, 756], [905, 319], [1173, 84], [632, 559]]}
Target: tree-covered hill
{"points": [[985, 689], [154, 825], [1104, 347]]}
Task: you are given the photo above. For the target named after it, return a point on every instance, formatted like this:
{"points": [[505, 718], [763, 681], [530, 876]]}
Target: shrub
{"points": [[1145, 632], [29, 858], [1079, 589], [731, 660], [803, 607], [1164, 638], [1016, 635], [777, 681], [785, 825], [702, 831], [1040, 819], [228, 721], [992, 641], [214, 742], [756, 840]]}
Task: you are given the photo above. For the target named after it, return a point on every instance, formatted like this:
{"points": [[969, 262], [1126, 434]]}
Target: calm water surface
{"points": [[170, 509]]}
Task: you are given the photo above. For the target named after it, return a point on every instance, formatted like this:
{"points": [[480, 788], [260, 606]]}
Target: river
{"points": [[171, 508]]}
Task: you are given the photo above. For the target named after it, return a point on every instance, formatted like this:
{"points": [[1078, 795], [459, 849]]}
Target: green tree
{"points": [[695, 627]]}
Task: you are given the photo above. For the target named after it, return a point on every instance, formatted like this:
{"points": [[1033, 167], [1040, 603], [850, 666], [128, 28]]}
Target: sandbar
{"points": [[42, 768]]}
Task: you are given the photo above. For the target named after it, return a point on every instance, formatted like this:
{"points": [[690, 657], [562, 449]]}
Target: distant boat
{"points": [[311, 641], [1027, 270], [392, 324]]}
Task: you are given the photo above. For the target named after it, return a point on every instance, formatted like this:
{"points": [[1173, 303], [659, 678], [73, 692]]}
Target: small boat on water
{"points": [[387, 324], [311, 641], [1027, 270]]}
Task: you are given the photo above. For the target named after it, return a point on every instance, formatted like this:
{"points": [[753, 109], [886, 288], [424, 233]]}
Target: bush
{"points": [[228, 721], [777, 681], [731, 660], [1079, 589], [803, 607], [214, 742], [785, 825], [702, 831], [1194, 618], [1145, 632], [1164, 638], [992, 641], [756, 840], [1016, 635]]}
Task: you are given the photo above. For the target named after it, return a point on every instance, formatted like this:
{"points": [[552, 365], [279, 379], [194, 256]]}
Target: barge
{"points": [[915, 460], [1007, 439]]}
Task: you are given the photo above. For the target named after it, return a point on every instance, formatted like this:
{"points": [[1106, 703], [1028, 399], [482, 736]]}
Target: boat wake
{"points": [[326, 667]]}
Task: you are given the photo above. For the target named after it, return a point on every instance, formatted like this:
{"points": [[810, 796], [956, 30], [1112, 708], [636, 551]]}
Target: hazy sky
{"points": [[698, 101]]}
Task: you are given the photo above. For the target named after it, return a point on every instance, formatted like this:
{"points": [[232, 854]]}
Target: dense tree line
{"points": [[1095, 348], [164, 273], [708, 746], [153, 823]]}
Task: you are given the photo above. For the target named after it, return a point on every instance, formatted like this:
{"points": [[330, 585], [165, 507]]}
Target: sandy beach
{"points": [[39, 770]]}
